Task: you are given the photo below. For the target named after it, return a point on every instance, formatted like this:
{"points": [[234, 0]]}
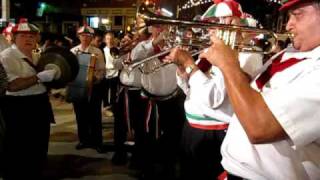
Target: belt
{"points": [[146, 94]]}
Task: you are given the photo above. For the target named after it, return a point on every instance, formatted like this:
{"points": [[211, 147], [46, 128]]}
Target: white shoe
{"points": [[107, 113]]}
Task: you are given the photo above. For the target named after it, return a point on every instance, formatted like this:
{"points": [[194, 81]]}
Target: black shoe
{"points": [[119, 158], [80, 146]]}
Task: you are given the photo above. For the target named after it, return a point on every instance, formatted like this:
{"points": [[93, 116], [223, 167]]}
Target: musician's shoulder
{"points": [[75, 49], [95, 50]]}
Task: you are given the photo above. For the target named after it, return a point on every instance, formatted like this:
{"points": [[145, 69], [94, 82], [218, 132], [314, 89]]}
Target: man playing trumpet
{"points": [[274, 132], [275, 123], [207, 105]]}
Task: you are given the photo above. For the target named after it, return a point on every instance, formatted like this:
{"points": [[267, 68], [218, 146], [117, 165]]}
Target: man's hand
{"points": [[160, 38], [46, 75], [220, 55], [180, 57]]}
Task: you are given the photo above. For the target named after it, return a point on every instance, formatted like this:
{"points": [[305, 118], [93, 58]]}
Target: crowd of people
{"points": [[224, 114]]}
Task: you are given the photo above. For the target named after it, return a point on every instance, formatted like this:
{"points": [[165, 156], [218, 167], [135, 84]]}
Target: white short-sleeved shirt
{"points": [[12, 61], [206, 103], [292, 95], [111, 71]]}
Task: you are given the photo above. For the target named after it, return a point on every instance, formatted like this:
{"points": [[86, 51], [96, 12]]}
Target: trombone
{"points": [[249, 36]]}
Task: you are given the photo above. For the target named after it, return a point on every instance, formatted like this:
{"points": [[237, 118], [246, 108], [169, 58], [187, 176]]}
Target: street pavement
{"points": [[65, 162]]}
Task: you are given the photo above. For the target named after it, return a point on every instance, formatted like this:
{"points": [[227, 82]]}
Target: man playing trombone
{"points": [[164, 117], [207, 105], [274, 132]]}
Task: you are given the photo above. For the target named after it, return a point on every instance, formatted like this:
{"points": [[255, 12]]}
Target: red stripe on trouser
{"points": [[147, 120], [127, 110]]}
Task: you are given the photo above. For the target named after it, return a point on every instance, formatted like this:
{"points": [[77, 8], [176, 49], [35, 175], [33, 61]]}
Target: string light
{"points": [[274, 1], [193, 3]]}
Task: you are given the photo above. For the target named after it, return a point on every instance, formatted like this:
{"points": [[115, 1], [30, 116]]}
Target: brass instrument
{"points": [[132, 66], [228, 33], [237, 37]]}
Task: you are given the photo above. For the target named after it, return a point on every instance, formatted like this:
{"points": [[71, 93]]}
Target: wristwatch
{"points": [[189, 68]]}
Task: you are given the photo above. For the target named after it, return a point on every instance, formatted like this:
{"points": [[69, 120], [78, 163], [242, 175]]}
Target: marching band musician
{"points": [[3, 43], [207, 105], [27, 126], [88, 111], [165, 106], [3, 87], [7, 33], [129, 111], [112, 75], [274, 133]]}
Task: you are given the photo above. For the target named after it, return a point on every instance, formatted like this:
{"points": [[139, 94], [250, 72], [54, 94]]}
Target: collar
{"points": [[87, 50], [293, 53], [19, 54]]}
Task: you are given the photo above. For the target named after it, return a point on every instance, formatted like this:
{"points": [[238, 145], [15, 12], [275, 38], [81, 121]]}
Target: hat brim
{"points": [[85, 33], [25, 32], [286, 6]]}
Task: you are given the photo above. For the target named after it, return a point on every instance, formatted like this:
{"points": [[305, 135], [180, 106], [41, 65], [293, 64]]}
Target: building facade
{"points": [[110, 15]]}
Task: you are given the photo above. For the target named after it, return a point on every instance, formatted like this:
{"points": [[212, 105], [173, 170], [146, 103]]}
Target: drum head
{"points": [[62, 58]]}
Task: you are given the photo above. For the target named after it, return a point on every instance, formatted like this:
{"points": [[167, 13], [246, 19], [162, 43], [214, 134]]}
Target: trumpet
{"points": [[228, 33], [240, 38], [134, 65]]}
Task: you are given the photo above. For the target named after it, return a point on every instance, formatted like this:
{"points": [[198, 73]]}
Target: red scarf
{"points": [[275, 67]]}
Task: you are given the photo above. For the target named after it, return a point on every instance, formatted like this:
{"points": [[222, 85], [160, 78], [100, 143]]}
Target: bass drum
{"points": [[61, 59], [131, 79], [162, 82], [81, 88]]}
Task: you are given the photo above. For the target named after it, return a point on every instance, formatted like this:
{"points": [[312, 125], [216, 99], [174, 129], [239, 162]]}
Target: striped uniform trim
{"points": [[206, 123]]}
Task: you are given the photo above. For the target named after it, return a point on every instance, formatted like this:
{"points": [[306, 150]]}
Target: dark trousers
{"points": [[27, 136], [89, 118], [2, 133], [164, 146], [201, 157], [110, 91], [136, 111]]}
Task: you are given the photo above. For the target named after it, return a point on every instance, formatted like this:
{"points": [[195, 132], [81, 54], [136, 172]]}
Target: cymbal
{"points": [[64, 61]]}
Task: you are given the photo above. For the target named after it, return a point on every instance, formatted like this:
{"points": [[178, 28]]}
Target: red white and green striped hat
{"points": [[85, 29], [223, 8], [248, 20], [8, 29], [25, 27], [287, 4]]}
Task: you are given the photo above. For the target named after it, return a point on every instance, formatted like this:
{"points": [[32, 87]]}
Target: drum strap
{"points": [[30, 64]]}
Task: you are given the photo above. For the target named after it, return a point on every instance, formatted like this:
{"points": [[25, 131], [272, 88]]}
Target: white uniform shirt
{"points": [[111, 71], [161, 82], [12, 61], [133, 78], [100, 65], [292, 95], [207, 103]]}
